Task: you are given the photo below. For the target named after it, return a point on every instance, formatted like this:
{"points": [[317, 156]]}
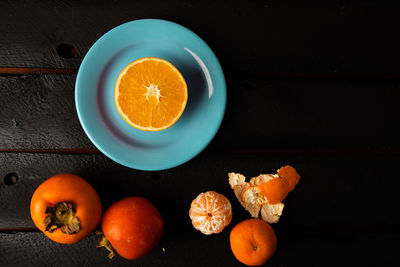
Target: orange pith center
{"points": [[150, 94]]}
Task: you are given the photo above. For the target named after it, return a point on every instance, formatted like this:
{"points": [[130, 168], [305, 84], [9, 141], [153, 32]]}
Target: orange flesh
{"points": [[150, 94], [210, 212]]}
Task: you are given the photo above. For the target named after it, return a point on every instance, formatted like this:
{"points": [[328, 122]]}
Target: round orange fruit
{"points": [[210, 212], [253, 242], [132, 226], [150, 94], [66, 208]]}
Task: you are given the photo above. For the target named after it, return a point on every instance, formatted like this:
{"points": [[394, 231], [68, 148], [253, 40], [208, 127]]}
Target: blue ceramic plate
{"points": [[94, 94]]}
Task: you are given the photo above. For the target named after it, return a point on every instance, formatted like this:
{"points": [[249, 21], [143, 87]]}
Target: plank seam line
{"points": [[31, 71], [272, 75], [11, 230], [324, 75], [305, 152], [53, 151]]}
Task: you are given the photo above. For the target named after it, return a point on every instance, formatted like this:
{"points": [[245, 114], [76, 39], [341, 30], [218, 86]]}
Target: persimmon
{"points": [[253, 242], [132, 227], [66, 208]]}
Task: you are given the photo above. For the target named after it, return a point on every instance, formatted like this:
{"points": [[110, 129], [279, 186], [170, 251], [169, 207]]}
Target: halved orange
{"points": [[150, 94]]}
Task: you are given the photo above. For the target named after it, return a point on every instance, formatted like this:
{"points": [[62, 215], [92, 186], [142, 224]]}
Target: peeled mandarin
{"points": [[210, 212]]}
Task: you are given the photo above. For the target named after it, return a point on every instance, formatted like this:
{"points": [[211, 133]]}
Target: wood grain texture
{"points": [[282, 36], [25, 71], [299, 114], [38, 112], [52, 151], [295, 248], [342, 192], [342, 210], [33, 169], [304, 114], [313, 85]]}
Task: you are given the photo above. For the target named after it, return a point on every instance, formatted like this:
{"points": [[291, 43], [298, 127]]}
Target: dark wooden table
{"points": [[310, 84]]}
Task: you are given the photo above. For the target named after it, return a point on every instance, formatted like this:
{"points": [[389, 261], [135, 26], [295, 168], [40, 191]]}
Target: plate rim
{"points": [[189, 156]]}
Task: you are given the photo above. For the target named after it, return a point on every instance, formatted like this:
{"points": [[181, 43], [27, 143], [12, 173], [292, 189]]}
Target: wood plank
{"points": [[309, 114], [38, 112], [33, 169], [295, 248], [342, 210], [25, 71], [257, 74], [276, 36], [275, 152], [52, 151], [346, 193]]}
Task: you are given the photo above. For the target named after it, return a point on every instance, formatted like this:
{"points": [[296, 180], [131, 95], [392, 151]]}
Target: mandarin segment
{"points": [[150, 94], [210, 212]]}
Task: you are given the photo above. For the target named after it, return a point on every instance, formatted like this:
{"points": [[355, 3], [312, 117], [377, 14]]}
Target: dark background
{"points": [[311, 84]]}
